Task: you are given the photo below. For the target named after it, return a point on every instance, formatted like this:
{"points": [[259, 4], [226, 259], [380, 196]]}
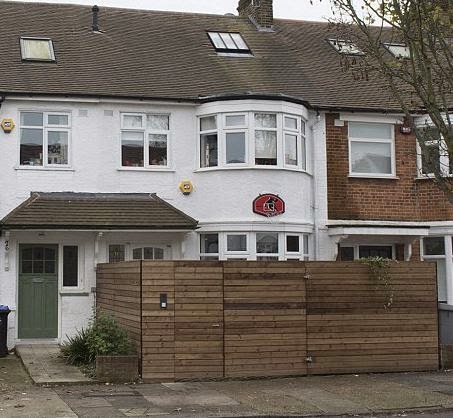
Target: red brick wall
{"points": [[402, 199]]}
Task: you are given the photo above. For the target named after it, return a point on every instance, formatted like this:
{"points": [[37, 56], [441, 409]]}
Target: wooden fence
{"points": [[245, 319]]}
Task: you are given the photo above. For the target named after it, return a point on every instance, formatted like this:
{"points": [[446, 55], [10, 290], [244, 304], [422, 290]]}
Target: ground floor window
{"points": [[261, 246], [355, 252], [122, 252], [70, 266]]}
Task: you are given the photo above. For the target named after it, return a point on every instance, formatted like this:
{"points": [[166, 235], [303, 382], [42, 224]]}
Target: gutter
{"points": [[215, 98]]}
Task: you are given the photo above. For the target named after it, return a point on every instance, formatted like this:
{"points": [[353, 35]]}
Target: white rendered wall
{"points": [[222, 198]]}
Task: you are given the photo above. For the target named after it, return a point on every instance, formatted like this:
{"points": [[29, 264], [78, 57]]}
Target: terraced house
{"points": [[134, 134]]}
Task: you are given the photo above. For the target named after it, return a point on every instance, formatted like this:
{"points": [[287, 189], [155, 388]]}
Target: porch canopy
{"points": [[350, 232], [97, 211]]}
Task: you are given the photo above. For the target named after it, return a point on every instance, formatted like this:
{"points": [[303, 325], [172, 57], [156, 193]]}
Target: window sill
{"points": [[270, 168], [147, 170], [69, 292], [36, 168], [364, 176]]}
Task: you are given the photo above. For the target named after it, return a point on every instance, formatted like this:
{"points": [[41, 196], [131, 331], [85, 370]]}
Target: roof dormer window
{"points": [[398, 50], [228, 42], [345, 47], [37, 49]]}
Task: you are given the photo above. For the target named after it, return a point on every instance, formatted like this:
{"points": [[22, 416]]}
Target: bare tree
{"points": [[408, 44]]}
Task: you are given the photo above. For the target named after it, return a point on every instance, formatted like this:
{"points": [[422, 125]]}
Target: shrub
{"points": [[107, 338], [102, 337], [76, 350]]}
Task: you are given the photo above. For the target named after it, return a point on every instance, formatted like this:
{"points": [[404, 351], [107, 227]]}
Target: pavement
{"points": [[383, 395], [45, 365]]}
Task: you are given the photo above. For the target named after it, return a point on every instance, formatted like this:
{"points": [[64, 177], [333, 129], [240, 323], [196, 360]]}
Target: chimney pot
{"points": [[260, 12]]}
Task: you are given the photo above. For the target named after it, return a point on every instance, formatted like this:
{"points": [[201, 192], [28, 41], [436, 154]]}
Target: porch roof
{"points": [[111, 211]]}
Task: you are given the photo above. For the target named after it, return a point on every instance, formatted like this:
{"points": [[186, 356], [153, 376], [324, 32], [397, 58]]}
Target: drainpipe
{"points": [[2, 99], [313, 186], [449, 268]]}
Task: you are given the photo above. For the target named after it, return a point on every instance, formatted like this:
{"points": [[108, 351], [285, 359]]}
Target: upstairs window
{"points": [[371, 149], [252, 139], [44, 139], [345, 47], [37, 49], [145, 140], [398, 50], [230, 43], [433, 155]]}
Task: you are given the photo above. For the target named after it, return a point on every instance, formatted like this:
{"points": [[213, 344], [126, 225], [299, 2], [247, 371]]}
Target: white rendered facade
{"points": [[221, 200]]}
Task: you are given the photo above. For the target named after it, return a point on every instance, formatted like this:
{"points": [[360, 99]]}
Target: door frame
{"points": [[58, 298]]}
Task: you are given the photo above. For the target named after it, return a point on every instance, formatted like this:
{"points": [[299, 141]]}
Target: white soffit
{"points": [[372, 118], [354, 230]]}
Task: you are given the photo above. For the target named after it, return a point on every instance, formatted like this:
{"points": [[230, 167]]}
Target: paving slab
{"points": [[20, 398], [45, 365]]}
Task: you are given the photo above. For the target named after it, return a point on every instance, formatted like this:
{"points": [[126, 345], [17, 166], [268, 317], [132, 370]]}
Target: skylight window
{"points": [[345, 47], [37, 49], [398, 50], [229, 42]]}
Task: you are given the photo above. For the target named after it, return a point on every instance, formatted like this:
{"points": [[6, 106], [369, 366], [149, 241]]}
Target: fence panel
{"points": [[118, 293], [349, 329], [265, 323], [198, 320]]}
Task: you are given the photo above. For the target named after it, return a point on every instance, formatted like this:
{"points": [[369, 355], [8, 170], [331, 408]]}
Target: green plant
{"points": [[108, 338], [380, 273], [76, 350], [103, 336]]}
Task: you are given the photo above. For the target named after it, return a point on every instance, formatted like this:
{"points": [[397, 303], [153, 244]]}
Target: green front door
{"points": [[38, 291]]}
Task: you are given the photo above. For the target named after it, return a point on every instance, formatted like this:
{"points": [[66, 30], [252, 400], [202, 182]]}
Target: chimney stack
{"points": [[260, 12], [95, 11]]}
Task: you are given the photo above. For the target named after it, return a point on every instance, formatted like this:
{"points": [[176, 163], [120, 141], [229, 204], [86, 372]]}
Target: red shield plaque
{"points": [[268, 205]]}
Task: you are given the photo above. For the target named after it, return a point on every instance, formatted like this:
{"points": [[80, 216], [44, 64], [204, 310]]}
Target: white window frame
{"points": [[251, 253], [212, 256], [32, 38], [145, 131], [300, 142], [434, 257], [356, 248], [217, 131], [133, 247], [46, 128], [390, 141], [231, 130], [249, 130], [80, 269], [236, 254], [444, 159]]}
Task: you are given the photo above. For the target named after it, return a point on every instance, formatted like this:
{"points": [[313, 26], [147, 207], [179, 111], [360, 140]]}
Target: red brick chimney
{"points": [[260, 12]]}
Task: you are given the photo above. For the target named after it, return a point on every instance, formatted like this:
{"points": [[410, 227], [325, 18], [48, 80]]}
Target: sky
{"points": [[290, 9]]}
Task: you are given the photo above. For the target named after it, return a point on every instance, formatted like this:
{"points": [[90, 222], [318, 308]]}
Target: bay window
{"points": [[44, 139], [252, 139], [371, 149], [261, 246], [145, 140]]}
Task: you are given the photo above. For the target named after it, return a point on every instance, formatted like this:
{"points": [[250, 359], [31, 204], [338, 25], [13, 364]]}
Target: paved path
{"points": [[20, 398], [384, 395], [46, 367]]}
